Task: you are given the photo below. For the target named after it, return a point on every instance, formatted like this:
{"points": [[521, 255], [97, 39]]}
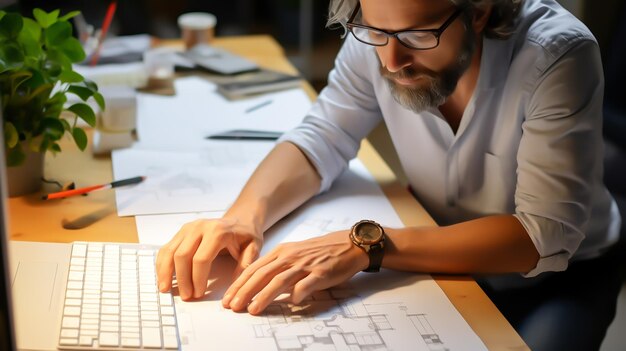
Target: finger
{"points": [[208, 249], [182, 264], [305, 287], [248, 255], [281, 283], [165, 263], [246, 289], [244, 276]]}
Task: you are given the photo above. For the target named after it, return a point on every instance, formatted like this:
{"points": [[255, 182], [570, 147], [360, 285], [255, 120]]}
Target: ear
{"points": [[481, 17]]}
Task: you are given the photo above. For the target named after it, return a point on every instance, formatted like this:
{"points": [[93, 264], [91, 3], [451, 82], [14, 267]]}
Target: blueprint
{"points": [[346, 323], [385, 311]]}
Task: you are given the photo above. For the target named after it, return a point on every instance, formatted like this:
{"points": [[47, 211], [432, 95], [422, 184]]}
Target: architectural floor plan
{"points": [[346, 324]]}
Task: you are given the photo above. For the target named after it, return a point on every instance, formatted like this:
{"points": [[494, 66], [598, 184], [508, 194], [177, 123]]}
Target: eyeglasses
{"points": [[417, 39]]}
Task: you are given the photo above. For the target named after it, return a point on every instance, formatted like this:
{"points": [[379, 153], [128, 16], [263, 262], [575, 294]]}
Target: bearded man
{"points": [[495, 110]]}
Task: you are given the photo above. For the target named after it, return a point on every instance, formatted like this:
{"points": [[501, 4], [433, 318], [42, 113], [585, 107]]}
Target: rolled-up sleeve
{"points": [[560, 155], [344, 113]]}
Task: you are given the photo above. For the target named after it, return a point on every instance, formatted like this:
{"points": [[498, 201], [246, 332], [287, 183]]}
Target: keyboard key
{"points": [[69, 333], [70, 322], [109, 339], [151, 337], [86, 340], [68, 341], [131, 342]]}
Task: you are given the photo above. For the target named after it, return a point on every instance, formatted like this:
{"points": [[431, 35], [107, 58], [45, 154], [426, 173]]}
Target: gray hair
{"points": [[499, 26]]}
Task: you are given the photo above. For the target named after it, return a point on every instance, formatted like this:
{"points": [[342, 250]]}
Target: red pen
{"points": [[115, 184], [108, 18]]}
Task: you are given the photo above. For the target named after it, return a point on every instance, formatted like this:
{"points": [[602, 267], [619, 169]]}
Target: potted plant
{"points": [[36, 76]]}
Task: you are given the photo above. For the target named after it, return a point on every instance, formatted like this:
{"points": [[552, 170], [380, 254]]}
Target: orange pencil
{"points": [[115, 184]]}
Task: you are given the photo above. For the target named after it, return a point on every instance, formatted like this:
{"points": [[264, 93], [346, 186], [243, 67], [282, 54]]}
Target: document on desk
{"points": [[198, 111], [354, 196], [385, 311], [207, 179]]}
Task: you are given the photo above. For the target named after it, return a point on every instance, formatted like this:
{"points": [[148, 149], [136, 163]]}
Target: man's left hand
{"points": [[299, 268]]}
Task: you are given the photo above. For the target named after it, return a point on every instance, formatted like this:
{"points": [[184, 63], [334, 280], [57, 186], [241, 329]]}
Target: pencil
{"points": [[258, 106], [106, 23], [85, 190]]}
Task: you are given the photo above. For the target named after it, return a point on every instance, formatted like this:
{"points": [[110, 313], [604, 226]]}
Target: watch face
{"points": [[368, 233]]}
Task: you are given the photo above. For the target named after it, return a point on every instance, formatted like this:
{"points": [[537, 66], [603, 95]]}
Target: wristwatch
{"points": [[369, 236]]}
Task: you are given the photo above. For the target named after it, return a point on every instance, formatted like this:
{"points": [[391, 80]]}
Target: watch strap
{"points": [[375, 254]]}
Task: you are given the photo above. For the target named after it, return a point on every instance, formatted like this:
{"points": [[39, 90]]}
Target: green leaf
{"points": [[80, 137], [11, 137], [11, 25], [70, 77], [32, 27], [52, 127], [44, 19], [54, 15], [32, 47], [15, 156], [33, 78], [58, 98], [58, 57], [84, 112], [82, 92], [73, 49], [45, 142], [11, 53], [100, 100], [91, 85], [66, 124], [69, 15], [18, 78], [2, 13], [41, 16], [55, 147], [58, 33], [43, 90]]}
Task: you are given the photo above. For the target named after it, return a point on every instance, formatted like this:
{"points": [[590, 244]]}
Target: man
{"points": [[495, 110]]}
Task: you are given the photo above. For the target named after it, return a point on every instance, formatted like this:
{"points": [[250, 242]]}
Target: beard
{"points": [[431, 88]]}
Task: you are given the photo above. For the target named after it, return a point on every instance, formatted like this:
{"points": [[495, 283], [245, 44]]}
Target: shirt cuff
{"points": [[554, 263]]}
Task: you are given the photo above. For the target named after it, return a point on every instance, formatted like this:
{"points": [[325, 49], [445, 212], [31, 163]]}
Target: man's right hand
{"points": [[192, 250]]}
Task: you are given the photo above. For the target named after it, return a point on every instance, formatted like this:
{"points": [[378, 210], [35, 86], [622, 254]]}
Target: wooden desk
{"points": [[94, 218]]}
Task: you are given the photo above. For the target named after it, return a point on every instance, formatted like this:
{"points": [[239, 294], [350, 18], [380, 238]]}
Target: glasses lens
{"points": [[370, 36], [418, 40]]}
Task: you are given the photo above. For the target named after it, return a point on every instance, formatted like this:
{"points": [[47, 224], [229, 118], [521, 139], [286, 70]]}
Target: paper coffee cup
{"points": [[197, 28]]}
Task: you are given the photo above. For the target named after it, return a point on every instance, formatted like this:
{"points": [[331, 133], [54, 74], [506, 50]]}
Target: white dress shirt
{"points": [[529, 143]]}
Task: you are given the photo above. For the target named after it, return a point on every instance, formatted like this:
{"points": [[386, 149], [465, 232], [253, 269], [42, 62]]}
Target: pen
{"points": [[89, 189], [244, 134], [106, 23], [256, 107]]}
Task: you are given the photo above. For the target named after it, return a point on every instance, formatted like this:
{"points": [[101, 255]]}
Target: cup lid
{"points": [[197, 20]]}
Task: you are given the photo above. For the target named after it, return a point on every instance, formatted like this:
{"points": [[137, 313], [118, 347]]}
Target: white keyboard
{"points": [[112, 301]]}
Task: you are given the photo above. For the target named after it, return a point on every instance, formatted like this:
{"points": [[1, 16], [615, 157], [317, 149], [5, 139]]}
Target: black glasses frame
{"points": [[435, 32]]}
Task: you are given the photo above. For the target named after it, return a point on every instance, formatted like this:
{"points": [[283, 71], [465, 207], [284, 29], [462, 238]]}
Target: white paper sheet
{"points": [[386, 311], [198, 111], [207, 179], [354, 196]]}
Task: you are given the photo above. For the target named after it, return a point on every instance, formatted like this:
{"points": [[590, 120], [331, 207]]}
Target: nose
{"points": [[394, 56]]}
